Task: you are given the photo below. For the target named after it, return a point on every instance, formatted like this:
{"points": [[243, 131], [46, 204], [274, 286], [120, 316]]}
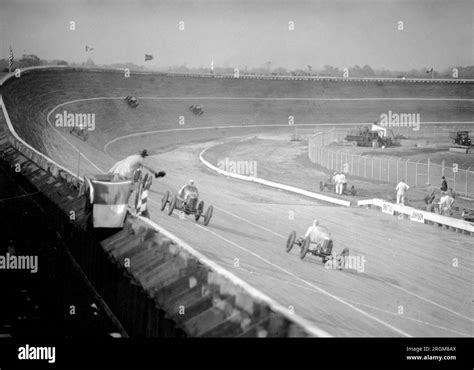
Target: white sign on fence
{"points": [[417, 217], [388, 208]]}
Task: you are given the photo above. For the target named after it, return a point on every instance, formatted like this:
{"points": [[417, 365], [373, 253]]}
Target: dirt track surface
{"points": [[411, 284]]}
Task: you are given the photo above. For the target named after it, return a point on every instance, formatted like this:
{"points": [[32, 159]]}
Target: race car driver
{"points": [[185, 190], [317, 234], [124, 169]]}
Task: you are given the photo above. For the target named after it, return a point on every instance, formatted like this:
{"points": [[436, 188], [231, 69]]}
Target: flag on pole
{"points": [[148, 57], [88, 48], [109, 202], [10, 60], [429, 70]]}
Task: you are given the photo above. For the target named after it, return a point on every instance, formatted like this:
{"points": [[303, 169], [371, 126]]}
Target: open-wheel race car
{"points": [[189, 205], [81, 133], [131, 101], [330, 185], [197, 109], [322, 247]]}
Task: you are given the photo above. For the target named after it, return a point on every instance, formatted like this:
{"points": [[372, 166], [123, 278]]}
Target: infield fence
{"points": [[417, 173]]}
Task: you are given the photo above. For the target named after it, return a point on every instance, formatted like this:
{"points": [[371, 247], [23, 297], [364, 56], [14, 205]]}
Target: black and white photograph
{"points": [[286, 183]]}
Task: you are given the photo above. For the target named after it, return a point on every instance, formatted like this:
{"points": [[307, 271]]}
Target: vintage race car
{"points": [[81, 133], [196, 109], [131, 101], [190, 205], [330, 185], [322, 247]]}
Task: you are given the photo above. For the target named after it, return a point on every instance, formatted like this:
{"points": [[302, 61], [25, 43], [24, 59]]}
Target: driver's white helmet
{"points": [[191, 182]]}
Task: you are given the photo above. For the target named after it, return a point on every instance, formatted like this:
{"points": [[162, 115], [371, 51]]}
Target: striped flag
{"points": [[10, 60], [109, 202], [148, 57]]}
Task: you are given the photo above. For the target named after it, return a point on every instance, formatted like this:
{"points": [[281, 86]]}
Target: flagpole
{"points": [[10, 60]]}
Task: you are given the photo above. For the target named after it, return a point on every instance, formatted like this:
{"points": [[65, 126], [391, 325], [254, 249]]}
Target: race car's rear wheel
{"points": [[290, 241], [305, 247], [164, 200], [208, 215], [172, 206], [199, 210]]}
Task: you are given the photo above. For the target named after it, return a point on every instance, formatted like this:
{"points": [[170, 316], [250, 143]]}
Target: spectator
{"points": [[401, 189], [353, 191], [125, 169], [339, 181], [445, 204], [430, 197], [344, 183], [444, 184]]}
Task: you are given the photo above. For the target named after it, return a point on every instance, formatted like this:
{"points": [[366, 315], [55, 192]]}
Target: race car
{"points": [[81, 133], [322, 247], [190, 205], [131, 101], [197, 109], [330, 185]]}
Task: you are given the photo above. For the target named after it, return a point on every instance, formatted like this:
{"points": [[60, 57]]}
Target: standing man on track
{"points": [[124, 169]]}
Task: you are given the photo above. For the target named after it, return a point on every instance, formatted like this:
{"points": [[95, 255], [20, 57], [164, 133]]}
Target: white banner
{"points": [[417, 216], [387, 208]]}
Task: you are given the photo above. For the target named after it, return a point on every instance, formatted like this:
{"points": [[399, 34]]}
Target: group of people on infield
{"points": [[444, 202]]}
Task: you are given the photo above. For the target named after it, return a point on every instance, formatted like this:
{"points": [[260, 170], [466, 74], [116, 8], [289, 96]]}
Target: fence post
{"points": [[406, 169], [454, 181], [398, 170], [467, 175], [380, 170], [416, 174], [358, 165], [428, 170], [352, 164]]}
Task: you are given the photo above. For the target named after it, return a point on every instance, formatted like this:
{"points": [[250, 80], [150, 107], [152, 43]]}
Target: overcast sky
{"points": [[235, 33]]}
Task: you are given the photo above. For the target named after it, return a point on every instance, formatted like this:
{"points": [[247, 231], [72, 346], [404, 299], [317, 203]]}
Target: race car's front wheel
{"points": [[164, 200], [199, 210], [172, 206], [290, 241], [208, 215], [305, 247]]}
